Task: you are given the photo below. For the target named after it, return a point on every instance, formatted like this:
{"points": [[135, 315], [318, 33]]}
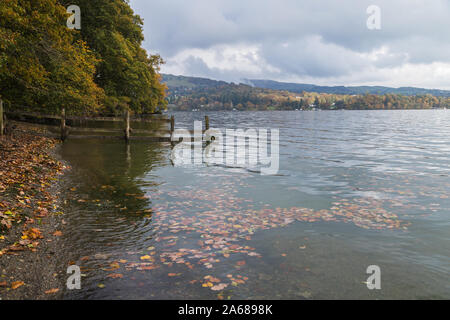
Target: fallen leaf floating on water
{"points": [[223, 221], [219, 287], [207, 285], [52, 291], [113, 266], [17, 284], [115, 275], [174, 274], [57, 233]]}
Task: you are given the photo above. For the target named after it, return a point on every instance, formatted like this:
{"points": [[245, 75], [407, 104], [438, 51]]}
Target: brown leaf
{"points": [[32, 233]]}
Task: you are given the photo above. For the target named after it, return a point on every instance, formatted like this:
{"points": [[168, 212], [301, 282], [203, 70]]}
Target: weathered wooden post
{"points": [[127, 125], [63, 125], [2, 125], [172, 124], [206, 123]]}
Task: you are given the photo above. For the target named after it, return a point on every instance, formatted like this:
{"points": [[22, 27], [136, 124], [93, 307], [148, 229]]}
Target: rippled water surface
{"points": [[355, 188]]}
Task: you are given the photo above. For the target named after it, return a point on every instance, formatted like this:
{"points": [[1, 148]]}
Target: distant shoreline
{"points": [[212, 111]]}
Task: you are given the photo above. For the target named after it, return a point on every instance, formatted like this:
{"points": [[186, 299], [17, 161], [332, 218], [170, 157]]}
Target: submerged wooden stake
{"points": [[206, 123], [127, 125], [63, 125]]}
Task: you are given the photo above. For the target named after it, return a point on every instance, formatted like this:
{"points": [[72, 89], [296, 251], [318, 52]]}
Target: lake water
{"points": [[354, 189]]}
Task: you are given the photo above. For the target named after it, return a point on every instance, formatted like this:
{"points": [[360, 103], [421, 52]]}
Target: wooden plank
{"points": [[113, 130], [150, 139], [150, 120], [96, 130], [115, 119], [83, 118], [55, 129], [73, 136], [33, 115], [105, 119], [134, 131]]}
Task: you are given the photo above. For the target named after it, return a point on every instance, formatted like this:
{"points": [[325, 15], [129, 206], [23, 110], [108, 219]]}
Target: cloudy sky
{"points": [[310, 41]]}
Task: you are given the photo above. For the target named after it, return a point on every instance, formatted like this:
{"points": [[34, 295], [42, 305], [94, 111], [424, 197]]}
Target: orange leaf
{"points": [[173, 274], [148, 268], [57, 234], [17, 284], [51, 291]]}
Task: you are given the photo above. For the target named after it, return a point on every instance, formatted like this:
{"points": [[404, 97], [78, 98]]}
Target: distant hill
{"points": [[178, 82], [182, 84], [191, 93], [299, 87]]}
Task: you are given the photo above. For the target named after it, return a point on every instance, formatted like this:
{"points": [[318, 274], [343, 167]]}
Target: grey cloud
{"points": [[413, 31]]}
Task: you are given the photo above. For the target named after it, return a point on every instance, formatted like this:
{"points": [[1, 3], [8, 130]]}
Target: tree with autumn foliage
{"points": [[102, 68], [42, 64], [129, 76]]}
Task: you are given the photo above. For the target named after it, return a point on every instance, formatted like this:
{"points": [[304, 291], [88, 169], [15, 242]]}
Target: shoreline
{"points": [[31, 244]]}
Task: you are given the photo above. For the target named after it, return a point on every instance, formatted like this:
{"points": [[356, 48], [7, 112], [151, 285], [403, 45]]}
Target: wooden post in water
{"points": [[63, 125], [206, 123], [2, 125], [172, 124], [127, 125]]}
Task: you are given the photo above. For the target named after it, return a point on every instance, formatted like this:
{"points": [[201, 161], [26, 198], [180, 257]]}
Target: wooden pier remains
{"points": [[66, 127]]}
